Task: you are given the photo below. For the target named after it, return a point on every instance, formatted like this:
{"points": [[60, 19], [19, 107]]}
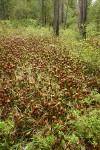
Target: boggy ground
{"points": [[46, 99]]}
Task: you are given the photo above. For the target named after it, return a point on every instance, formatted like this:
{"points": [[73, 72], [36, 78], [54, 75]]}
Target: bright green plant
{"points": [[88, 127], [5, 129], [39, 142]]}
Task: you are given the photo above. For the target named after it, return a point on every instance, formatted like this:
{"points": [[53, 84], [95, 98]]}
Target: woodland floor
{"points": [[49, 100]]}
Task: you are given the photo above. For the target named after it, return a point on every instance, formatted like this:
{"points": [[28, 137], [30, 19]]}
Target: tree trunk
{"points": [[56, 17], [3, 10], [65, 21], [62, 12], [82, 17], [43, 14]]}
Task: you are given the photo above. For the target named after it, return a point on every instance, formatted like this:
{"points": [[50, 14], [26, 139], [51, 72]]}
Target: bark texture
{"points": [[62, 12], [43, 13], [56, 17], [82, 17], [65, 20], [3, 10]]}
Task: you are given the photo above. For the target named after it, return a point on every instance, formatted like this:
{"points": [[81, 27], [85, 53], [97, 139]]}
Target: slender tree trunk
{"points": [[43, 13], [62, 12], [56, 17], [82, 17], [3, 10], [65, 21]]}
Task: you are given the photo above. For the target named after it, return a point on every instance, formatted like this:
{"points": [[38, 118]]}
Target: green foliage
{"points": [[5, 129], [27, 27], [32, 9], [88, 127], [39, 143], [92, 30], [72, 13], [50, 88], [94, 15]]}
